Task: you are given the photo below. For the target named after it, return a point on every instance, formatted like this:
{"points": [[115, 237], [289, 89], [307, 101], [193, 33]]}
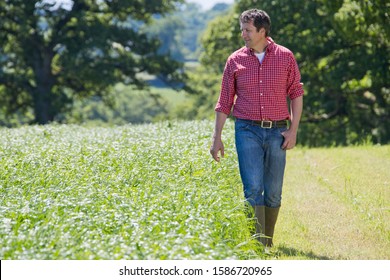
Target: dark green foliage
{"points": [[51, 55], [180, 31], [50, 58]]}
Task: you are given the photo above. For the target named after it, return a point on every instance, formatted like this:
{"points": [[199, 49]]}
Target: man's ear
{"points": [[262, 30]]}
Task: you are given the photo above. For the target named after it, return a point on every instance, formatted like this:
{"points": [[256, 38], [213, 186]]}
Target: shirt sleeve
{"points": [[294, 85], [228, 91]]}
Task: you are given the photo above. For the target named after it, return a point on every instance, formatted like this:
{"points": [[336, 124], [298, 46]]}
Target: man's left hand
{"points": [[290, 139]]}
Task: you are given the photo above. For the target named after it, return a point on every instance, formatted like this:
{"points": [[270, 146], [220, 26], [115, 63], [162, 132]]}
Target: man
{"points": [[258, 79]]}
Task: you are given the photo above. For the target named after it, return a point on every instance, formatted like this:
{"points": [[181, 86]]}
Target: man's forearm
{"points": [[296, 112], [220, 119]]}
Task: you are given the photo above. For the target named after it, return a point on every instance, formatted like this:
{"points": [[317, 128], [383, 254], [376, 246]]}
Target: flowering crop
{"points": [[131, 192]]}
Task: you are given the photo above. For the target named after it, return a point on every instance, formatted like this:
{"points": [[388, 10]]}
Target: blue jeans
{"points": [[261, 161]]}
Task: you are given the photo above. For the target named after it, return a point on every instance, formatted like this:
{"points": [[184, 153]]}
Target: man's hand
{"points": [[290, 135], [290, 139], [216, 147]]}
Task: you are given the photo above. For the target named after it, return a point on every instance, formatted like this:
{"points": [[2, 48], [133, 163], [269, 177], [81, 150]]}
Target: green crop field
{"points": [[154, 192]]}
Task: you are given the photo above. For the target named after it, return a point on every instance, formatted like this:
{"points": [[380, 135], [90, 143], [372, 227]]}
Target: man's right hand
{"points": [[216, 147]]}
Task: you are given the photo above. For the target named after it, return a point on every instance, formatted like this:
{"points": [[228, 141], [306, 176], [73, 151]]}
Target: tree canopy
{"points": [[180, 31], [52, 52], [55, 52]]}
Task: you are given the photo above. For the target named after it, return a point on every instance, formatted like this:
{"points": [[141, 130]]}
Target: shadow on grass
{"points": [[292, 252]]}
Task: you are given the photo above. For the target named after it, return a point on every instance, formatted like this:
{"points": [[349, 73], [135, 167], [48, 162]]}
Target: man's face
{"points": [[250, 35]]}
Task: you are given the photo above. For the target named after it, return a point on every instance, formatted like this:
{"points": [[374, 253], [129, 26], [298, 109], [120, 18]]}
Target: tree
{"points": [[169, 30], [218, 41], [179, 32], [54, 51]]}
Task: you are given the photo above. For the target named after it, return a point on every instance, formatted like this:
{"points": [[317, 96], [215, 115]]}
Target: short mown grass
{"points": [[153, 192], [336, 204]]}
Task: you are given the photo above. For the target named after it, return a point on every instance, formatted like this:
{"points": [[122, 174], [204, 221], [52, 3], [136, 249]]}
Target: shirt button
{"points": [[262, 107]]}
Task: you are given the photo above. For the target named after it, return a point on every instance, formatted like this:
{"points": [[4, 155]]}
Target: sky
{"points": [[207, 4], [67, 4]]}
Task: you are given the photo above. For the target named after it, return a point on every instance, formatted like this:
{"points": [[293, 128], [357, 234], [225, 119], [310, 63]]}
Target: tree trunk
{"points": [[43, 100], [42, 106]]}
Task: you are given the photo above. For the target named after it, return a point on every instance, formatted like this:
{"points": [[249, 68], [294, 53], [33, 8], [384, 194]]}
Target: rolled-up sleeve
{"points": [[295, 87], [228, 91]]}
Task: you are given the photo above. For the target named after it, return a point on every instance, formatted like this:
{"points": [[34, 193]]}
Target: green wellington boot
{"points": [[260, 224], [271, 215]]}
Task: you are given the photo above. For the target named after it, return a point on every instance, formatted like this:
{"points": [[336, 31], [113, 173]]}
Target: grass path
{"points": [[335, 204]]}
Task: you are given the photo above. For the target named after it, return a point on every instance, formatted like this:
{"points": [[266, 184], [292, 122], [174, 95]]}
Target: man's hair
{"points": [[259, 18]]}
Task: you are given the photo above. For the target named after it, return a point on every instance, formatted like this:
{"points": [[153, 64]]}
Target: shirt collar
{"points": [[271, 45]]}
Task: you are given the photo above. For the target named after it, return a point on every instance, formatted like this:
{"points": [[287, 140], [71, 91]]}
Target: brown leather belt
{"points": [[267, 124]]}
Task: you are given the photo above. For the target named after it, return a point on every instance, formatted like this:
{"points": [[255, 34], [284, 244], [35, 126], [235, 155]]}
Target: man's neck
{"points": [[261, 47]]}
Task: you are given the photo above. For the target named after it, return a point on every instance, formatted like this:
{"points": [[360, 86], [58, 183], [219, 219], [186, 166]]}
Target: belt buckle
{"points": [[269, 124]]}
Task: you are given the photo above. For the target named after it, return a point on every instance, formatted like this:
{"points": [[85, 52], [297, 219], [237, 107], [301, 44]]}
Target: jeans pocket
{"points": [[241, 125], [282, 129]]}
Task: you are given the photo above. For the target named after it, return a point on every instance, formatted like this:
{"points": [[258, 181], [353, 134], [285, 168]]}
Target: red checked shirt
{"points": [[259, 91]]}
